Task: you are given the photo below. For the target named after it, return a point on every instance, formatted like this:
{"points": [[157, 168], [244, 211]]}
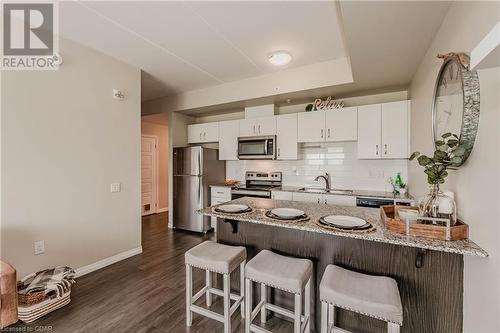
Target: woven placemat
{"points": [[304, 219], [370, 229], [248, 211]]}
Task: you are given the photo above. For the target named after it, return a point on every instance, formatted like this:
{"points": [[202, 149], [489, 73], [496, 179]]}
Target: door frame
{"points": [[156, 165]]}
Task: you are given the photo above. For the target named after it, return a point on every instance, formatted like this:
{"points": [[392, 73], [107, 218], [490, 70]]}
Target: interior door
{"points": [[342, 124], [228, 140], [286, 136], [395, 130], [369, 131], [149, 179], [312, 126]]}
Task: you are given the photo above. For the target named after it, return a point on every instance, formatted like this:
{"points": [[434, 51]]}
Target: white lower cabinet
{"points": [[281, 195], [329, 199], [340, 200], [219, 195]]}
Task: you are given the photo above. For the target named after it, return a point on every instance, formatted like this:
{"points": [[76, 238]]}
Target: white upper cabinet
{"points": [[228, 140], [395, 130], [341, 124], [369, 131], [199, 133], [248, 127], [383, 130], [311, 126], [329, 125], [286, 136], [258, 126]]}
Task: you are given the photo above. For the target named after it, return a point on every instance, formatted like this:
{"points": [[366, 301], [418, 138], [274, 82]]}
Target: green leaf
{"points": [[439, 143], [424, 160], [415, 154], [456, 136], [439, 154], [445, 135], [457, 160], [460, 151]]}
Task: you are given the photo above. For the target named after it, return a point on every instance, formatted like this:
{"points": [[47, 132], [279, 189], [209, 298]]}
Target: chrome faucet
{"points": [[326, 177]]}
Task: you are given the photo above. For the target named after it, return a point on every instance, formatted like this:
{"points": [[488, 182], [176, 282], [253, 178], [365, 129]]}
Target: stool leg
{"points": [[242, 288], [227, 304], [189, 295], [248, 305], [298, 313], [392, 328], [263, 297], [331, 315], [208, 279], [324, 317], [307, 306]]}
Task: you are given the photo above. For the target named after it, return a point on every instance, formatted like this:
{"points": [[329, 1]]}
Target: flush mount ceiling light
{"points": [[280, 58]]}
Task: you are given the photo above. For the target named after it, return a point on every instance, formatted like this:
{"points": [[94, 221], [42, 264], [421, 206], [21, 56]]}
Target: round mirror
{"points": [[456, 103]]}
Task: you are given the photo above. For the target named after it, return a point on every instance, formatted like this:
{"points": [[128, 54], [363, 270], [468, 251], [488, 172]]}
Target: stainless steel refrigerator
{"points": [[195, 168]]}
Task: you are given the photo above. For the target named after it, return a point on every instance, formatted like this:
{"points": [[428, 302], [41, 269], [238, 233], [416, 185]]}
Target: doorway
{"points": [[149, 174]]}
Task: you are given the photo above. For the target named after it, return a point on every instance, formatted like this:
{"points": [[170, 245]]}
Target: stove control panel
{"points": [[259, 175]]}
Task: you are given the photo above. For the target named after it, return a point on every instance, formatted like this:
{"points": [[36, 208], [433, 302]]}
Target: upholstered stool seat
{"points": [[281, 272], [215, 258], [373, 296]]}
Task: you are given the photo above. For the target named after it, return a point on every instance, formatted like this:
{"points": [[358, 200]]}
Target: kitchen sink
{"points": [[324, 190]]}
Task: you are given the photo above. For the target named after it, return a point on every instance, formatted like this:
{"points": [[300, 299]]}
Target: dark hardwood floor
{"points": [[144, 293]]}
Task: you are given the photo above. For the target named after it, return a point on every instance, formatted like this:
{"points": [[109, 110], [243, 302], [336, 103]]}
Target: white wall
{"points": [[476, 183], [338, 159], [64, 141]]}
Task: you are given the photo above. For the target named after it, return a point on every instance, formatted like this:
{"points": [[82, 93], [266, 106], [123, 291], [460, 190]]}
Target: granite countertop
{"points": [[372, 215], [355, 193]]}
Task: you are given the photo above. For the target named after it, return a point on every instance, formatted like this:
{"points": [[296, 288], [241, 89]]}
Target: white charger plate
{"points": [[287, 213], [232, 208], [344, 221]]}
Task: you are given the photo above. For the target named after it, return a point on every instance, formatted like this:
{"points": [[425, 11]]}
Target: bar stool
{"points": [[373, 296], [216, 258], [289, 274]]}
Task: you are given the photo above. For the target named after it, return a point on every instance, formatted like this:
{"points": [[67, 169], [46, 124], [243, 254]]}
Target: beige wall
{"points": [[476, 183], [64, 141], [161, 131]]}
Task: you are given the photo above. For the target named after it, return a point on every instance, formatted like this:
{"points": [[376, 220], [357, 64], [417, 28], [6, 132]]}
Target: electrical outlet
{"points": [[39, 247], [116, 187]]}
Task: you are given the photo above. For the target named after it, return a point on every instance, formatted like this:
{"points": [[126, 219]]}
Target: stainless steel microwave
{"points": [[257, 148]]}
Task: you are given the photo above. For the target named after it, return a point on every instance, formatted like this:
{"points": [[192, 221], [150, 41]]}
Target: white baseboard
{"points": [[163, 210], [107, 261]]}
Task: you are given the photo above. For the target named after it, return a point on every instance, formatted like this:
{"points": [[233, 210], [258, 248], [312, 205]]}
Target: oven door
{"points": [[240, 193], [257, 148]]}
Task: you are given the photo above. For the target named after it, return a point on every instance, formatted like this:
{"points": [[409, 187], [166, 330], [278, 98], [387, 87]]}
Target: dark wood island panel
{"points": [[432, 295]]}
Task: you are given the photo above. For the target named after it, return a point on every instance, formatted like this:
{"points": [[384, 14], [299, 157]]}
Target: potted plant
{"points": [[448, 155]]}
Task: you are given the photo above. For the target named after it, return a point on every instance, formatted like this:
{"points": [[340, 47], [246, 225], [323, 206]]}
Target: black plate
{"points": [[276, 217], [249, 209], [363, 227]]}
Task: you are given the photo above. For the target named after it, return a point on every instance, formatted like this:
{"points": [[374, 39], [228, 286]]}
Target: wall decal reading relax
{"points": [[327, 104]]}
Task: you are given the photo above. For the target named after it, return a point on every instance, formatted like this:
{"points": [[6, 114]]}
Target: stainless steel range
{"points": [[257, 184]]}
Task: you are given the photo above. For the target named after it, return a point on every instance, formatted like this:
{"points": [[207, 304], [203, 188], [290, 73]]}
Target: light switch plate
{"points": [[39, 247], [116, 187]]}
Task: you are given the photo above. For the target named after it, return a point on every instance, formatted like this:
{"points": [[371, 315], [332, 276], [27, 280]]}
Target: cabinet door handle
{"points": [[385, 149], [376, 152], [259, 129], [253, 129], [322, 133], [318, 200], [328, 132], [279, 153], [325, 201]]}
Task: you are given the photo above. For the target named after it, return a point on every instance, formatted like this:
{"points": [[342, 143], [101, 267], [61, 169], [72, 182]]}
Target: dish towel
{"points": [[57, 280]]}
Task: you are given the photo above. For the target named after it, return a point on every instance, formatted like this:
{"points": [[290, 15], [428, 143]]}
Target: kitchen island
{"points": [[429, 272]]}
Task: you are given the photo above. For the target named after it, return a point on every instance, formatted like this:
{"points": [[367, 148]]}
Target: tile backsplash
{"points": [[338, 159]]}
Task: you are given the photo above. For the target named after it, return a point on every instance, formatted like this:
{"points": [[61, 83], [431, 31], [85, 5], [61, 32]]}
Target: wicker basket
{"points": [[34, 298]]}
